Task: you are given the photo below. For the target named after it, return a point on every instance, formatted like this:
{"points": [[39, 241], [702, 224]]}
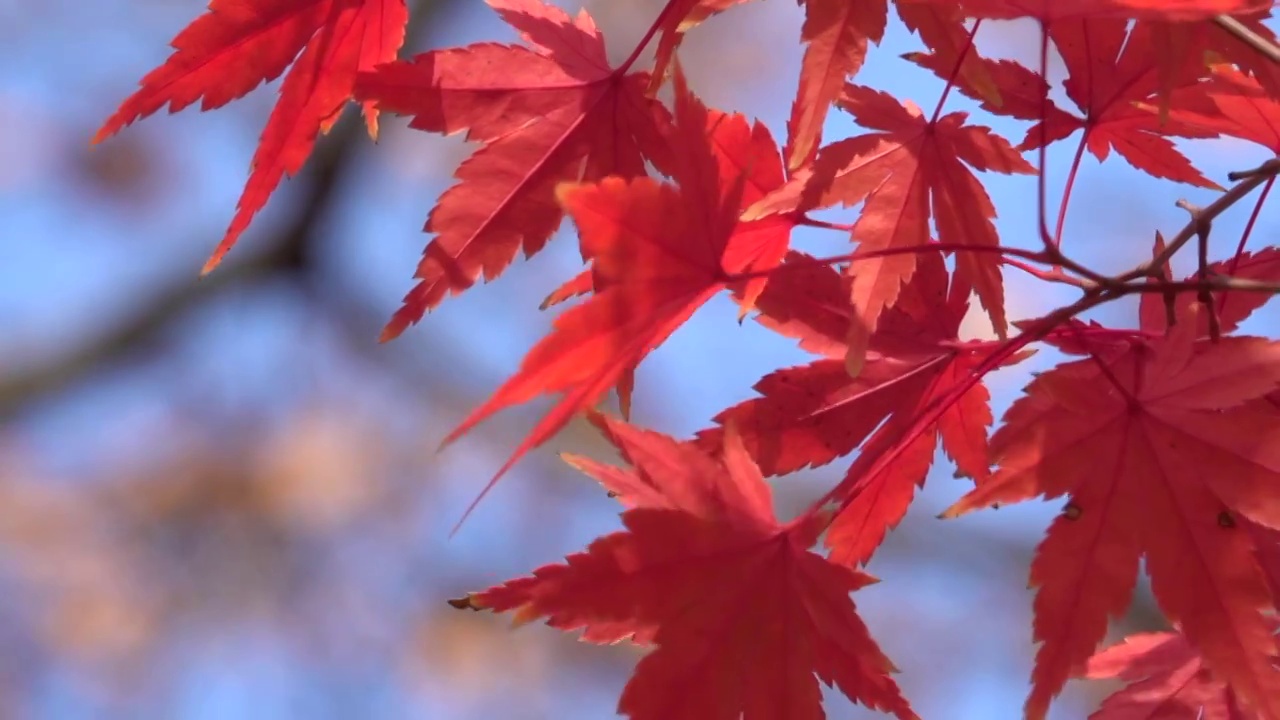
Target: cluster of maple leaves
{"points": [[1164, 438]]}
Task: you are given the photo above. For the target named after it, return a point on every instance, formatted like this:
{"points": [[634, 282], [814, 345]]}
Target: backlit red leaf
{"points": [[549, 112], [1231, 306], [810, 415], [1167, 681], [239, 44], [658, 252], [1160, 449], [1110, 68], [1052, 10], [837, 33], [744, 617], [906, 171]]}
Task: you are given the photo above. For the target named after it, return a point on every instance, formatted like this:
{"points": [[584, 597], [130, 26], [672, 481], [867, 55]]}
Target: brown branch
{"points": [[1201, 218]]}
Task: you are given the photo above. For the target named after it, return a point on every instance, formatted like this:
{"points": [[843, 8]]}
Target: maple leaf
{"points": [[238, 44], [579, 284], [837, 33], [902, 169], [1110, 69], [1120, 79], [811, 414], [1160, 449], [1167, 681], [742, 613], [658, 253], [1054, 10], [1230, 103], [551, 112], [1181, 32]]}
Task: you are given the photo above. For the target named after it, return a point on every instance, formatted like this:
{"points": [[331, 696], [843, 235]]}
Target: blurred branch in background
{"points": [[289, 255]]}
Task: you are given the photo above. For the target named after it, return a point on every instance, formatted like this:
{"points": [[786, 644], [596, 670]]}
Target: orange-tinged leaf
{"points": [[551, 112], [1018, 90], [1177, 45], [1159, 448], [744, 618], [239, 44], [837, 33]]}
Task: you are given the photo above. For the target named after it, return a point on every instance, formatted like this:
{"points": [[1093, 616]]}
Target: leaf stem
{"points": [[1244, 236], [1066, 191], [1032, 255], [648, 36], [844, 493], [955, 71]]}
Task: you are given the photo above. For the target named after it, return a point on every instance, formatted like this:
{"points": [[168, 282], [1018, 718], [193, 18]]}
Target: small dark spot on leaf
{"points": [[1072, 511], [1226, 520], [612, 494]]}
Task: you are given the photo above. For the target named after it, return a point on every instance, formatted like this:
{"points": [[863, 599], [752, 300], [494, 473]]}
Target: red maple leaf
{"points": [[1231, 103], [1175, 49], [551, 112], [744, 616], [1110, 68], [658, 253], [1161, 449], [811, 414], [837, 33], [908, 170], [238, 44], [942, 29], [1054, 10], [1121, 80], [1167, 681]]}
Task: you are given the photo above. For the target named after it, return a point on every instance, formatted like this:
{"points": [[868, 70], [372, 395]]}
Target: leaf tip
{"points": [[211, 264], [391, 330], [466, 602]]}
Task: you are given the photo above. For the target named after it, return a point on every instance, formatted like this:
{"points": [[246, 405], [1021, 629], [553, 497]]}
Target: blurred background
{"points": [[221, 498]]}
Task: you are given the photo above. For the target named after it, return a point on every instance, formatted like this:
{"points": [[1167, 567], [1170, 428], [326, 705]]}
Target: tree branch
{"points": [[290, 254]]}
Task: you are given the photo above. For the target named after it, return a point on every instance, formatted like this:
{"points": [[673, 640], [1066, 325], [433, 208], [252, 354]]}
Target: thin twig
{"points": [[1249, 180], [1242, 33]]}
